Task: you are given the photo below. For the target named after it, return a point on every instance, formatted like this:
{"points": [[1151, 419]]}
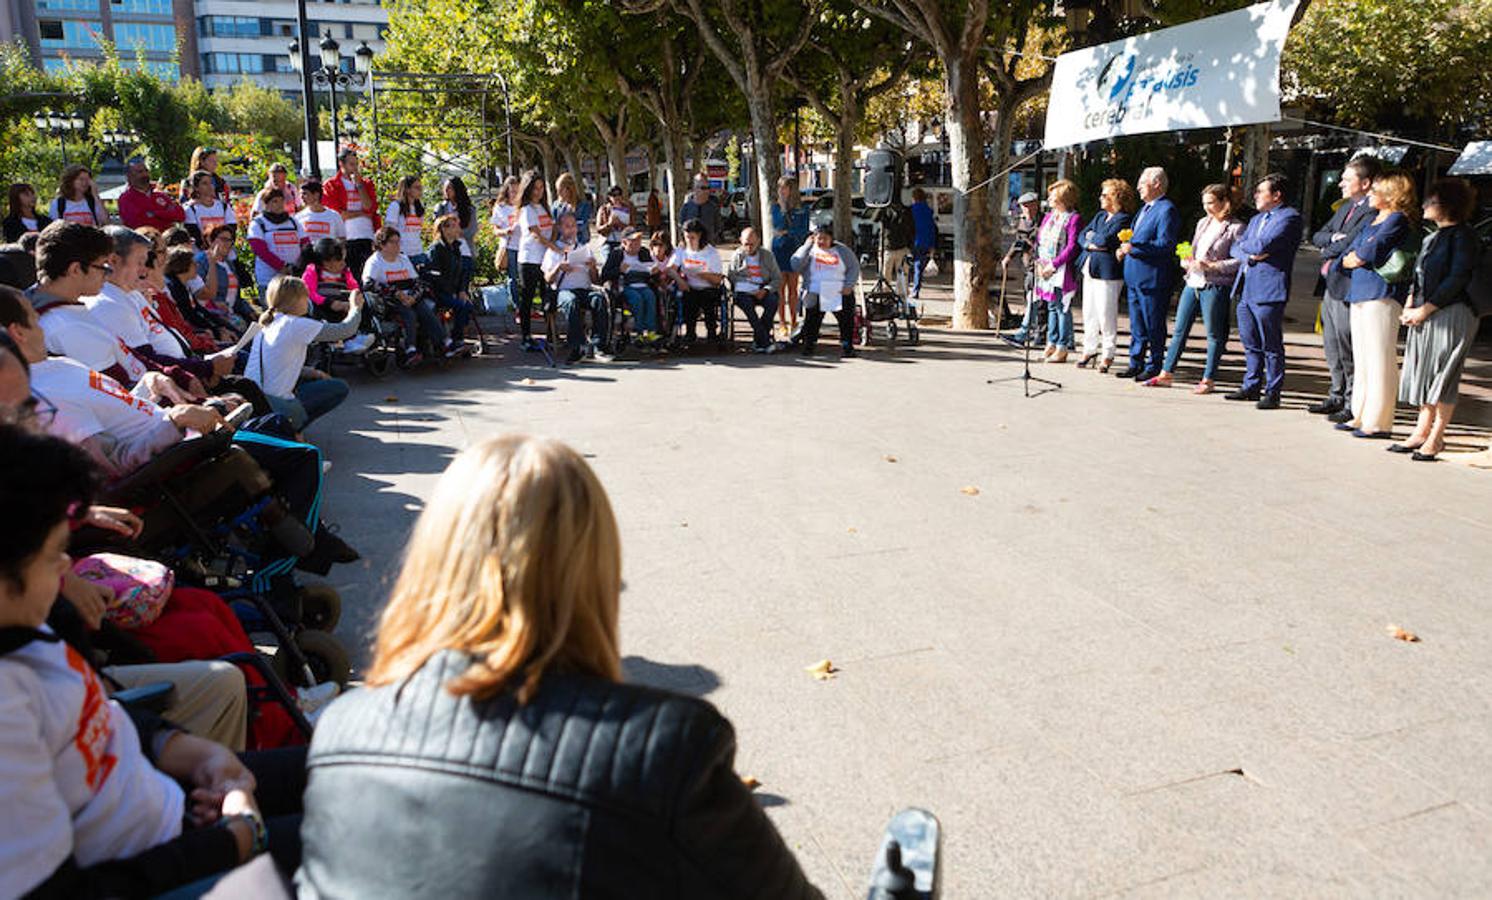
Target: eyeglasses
{"points": [[107, 269]]}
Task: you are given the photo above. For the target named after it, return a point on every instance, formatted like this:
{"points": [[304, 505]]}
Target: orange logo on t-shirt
{"points": [[108, 386], [286, 238], [397, 274], [694, 262], [826, 258], [754, 271], [316, 226], [81, 216], [95, 725]]}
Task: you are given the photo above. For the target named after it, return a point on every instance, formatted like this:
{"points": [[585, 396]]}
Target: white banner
{"points": [[1222, 70]]}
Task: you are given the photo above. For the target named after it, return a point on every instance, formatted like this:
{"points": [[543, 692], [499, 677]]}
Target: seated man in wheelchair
{"points": [[570, 271], [389, 274], [628, 275], [124, 431], [449, 276], [755, 281]]}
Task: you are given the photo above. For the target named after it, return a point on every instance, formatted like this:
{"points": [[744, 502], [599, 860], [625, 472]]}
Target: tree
{"points": [[251, 108], [960, 33], [852, 58], [753, 40], [1420, 67], [149, 104]]}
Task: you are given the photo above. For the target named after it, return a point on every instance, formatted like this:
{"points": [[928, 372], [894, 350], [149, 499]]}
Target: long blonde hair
{"points": [[280, 297], [515, 561]]}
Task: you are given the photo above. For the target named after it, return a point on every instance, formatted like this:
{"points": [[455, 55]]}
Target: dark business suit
{"points": [[1336, 332], [1262, 287], [1149, 274]]}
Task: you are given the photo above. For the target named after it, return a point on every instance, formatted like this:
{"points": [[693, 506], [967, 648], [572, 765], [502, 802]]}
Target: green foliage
{"points": [[251, 108], [1417, 66], [1189, 168]]}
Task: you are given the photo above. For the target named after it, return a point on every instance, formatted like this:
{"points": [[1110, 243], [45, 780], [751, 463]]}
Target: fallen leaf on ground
{"points": [[823, 670], [391, 399], [683, 524], [853, 529], [751, 782], [527, 381], [1400, 634], [890, 458], [969, 489]]}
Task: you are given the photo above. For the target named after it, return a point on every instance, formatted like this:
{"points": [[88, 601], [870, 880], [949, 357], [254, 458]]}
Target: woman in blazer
{"points": [[1103, 276], [1376, 305], [1442, 324], [1210, 271]]}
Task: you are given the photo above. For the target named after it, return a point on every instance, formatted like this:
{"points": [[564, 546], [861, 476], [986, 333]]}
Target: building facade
{"points": [[221, 41]]}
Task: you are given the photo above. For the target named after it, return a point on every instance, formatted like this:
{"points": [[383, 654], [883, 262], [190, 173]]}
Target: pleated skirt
{"points": [[1435, 355]]}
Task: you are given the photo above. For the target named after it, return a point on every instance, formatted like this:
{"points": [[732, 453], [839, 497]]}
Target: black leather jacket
{"points": [[593, 789]]}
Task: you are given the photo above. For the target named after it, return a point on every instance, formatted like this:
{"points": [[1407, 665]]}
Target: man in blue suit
{"points": [[1266, 253], [1149, 273]]}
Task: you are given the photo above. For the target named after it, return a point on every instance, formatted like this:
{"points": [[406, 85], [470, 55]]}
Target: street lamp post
{"points": [[330, 74], [58, 125], [119, 140], [300, 62]]}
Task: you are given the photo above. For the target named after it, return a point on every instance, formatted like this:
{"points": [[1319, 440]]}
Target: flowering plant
{"points": [[1184, 250], [1125, 234]]}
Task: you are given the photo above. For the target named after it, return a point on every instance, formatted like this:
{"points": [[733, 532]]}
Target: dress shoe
{"points": [[1372, 435], [1325, 407], [1103, 367], [1242, 394], [1403, 448], [1423, 457], [1131, 372], [1087, 360], [1341, 416], [1268, 401], [1060, 356], [1345, 426]]}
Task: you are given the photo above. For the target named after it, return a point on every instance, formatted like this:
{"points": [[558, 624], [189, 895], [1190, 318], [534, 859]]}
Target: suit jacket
{"points": [[1151, 263], [1347, 221], [1374, 244], [1103, 231], [1276, 236], [1445, 267]]}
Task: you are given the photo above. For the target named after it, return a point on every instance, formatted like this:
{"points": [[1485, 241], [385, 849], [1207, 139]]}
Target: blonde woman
{"points": [[790, 229], [570, 200], [1057, 248], [1103, 274], [1375, 305], [494, 750], [277, 358]]}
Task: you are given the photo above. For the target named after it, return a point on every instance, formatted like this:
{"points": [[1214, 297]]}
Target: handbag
{"points": [[141, 587], [1398, 268]]}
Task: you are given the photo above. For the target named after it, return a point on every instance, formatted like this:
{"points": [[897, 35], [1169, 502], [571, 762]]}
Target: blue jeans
{"points": [[515, 278], [1058, 323], [644, 305], [460, 312], [313, 399], [920, 256], [574, 305], [421, 316], [1212, 301], [761, 326]]}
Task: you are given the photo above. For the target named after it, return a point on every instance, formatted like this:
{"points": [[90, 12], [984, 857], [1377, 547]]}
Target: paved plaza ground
{"points": [[1148, 657]]}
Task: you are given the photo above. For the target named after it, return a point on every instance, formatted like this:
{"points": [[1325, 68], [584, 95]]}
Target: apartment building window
{"points": [[150, 7], [132, 35], [70, 5], [68, 34], [232, 26], [232, 63]]}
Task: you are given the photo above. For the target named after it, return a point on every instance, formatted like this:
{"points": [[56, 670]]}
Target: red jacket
{"points": [[139, 209], [334, 195]]}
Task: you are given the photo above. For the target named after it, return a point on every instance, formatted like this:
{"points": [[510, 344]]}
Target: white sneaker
{"points": [[314, 699], [357, 343], [326, 466]]}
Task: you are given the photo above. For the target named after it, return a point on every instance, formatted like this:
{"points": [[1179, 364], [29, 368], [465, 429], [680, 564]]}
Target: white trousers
{"points": [[1375, 361], [1101, 316]]}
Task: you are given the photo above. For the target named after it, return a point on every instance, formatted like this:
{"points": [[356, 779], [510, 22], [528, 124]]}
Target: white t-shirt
{"points": [[691, 263], [325, 224], [72, 211], [575, 256], [411, 227], [73, 778], [279, 352], [380, 271], [504, 218], [529, 248], [826, 278], [29, 224], [207, 216], [73, 331], [752, 278], [90, 403], [124, 313], [284, 241], [356, 229], [633, 263]]}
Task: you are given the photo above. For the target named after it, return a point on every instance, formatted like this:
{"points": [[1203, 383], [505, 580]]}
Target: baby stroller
{"points": [[883, 303]]}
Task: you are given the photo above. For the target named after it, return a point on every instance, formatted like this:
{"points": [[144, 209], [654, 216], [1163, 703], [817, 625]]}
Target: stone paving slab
{"points": [[1150, 594]]}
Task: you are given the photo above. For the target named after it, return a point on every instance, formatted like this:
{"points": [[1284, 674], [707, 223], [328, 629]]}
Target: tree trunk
{"points": [[971, 223], [673, 157], [551, 161], [844, 169], [768, 163], [572, 162], [1256, 140]]}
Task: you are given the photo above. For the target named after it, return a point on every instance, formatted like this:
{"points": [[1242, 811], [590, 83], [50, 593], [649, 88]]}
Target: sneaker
{"points": [[453, 350], [412, 357], [313, 698], [603, 357], [357, 343], [326, 466], [527, 345]]}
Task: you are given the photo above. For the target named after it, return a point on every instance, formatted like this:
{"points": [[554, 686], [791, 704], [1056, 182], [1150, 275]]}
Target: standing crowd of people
{"points": [[1381, 274]]}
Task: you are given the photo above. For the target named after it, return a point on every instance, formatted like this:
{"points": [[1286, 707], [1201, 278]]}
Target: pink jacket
{"points": [[1068, 250]]}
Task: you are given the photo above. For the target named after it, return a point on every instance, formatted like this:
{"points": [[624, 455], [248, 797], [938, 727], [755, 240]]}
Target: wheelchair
{"points": [[392, 334], [379, 356], [210, 515], [427, 277], [724, 319]]}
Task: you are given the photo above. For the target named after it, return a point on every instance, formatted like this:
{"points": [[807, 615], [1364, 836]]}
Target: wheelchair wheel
{"points": [[325, 655], [378, 361], [891, 330], [320, 607]]}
